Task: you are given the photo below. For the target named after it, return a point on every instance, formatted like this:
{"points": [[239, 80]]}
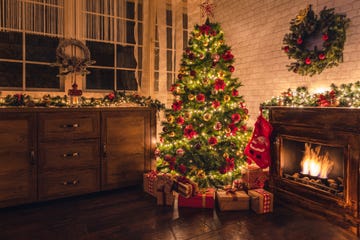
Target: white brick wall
{"points": [[255, 29]]}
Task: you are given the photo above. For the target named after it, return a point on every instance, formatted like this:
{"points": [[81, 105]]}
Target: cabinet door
{"points": [[126, 138], [17, 158]]}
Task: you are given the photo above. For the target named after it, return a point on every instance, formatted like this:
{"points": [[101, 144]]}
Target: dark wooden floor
{"points": [[132, 214]]}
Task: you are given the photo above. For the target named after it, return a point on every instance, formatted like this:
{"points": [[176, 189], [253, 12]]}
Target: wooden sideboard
{"points": [[49, 153]]}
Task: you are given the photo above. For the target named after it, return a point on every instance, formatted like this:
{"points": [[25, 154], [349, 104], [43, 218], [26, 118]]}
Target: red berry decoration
{"points": [[308, 61], [231, 68], [321, 56], [325, 37], [286, 49], [299, 41]]}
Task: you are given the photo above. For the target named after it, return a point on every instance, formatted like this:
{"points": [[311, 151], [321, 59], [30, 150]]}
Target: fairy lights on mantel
{"points": [[345, 95]]}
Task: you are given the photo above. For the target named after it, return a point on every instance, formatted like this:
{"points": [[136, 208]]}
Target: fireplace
{"points": [[315, 161]]}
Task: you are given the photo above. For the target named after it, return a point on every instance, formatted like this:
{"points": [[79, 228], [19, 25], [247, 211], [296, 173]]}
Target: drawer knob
{"points": [[74, 182], [74, 125], [74, 154]]}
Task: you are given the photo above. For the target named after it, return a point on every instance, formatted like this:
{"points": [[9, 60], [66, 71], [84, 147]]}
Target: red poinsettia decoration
{"points": [[219, 84], [171, 161], [189, 132], [111, 96], [182, 168], [227, 56], [205, 29], [212, 141], [177, 105], [215, 104]]}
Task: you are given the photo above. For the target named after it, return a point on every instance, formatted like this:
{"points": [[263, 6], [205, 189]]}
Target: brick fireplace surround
{"points": [[334, 128]]}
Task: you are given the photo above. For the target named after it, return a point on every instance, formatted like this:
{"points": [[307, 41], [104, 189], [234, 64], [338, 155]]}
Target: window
{"points": [[114, 36], [29, 35]]}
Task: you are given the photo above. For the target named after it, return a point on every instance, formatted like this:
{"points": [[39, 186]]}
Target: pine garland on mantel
{"points": [[113, 99], [345, 95]]}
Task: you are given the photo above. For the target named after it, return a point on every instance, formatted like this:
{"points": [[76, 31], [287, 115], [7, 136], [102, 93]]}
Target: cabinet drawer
{"points": [[68, 125], [69, 155], [68, 183]]}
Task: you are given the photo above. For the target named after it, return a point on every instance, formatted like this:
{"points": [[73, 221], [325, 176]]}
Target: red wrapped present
{"points": [[261, 201], [149, 181], [254, 177], [232, 200], [200, 200]]}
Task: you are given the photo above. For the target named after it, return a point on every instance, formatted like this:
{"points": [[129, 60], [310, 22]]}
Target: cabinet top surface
{"points": [[73, 109]]}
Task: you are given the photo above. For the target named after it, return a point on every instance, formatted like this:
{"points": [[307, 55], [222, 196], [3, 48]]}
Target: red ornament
{"points": [[200, 97], [233, 129], [215, 104], [180, 152], [286, 49], [299, 41], [219, 84], [231, 68], [212, 141], [182, 168], [180, 120], [325, 37], [235, 92], [177, 105], [111, 96], [235, 118], [180, 76], [322, 56], [308, 61], [215, 57], [218, 126]]}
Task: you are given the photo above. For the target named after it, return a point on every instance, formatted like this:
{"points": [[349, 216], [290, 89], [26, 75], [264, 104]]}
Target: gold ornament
{"points": [[221, 74], [191, 97], [172, 134], [205, 81], [225, 155], [170, 118], [201, 174], [228, 130], [187, 115], [239, 153], [207, 117], [227, 98]]}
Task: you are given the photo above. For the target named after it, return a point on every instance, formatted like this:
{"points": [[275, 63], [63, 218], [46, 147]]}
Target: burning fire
{"points": [[314, 163]]}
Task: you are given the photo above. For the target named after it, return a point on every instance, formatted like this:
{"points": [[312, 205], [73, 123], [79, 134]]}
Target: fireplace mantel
{"points": [[333, 127]]}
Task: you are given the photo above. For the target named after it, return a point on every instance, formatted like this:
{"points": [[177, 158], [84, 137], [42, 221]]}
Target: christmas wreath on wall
{"points": [[315, 44], [70, 63]]}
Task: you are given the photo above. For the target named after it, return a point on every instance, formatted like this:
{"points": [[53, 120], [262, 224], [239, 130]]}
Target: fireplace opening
{"points": [[313, 165]]}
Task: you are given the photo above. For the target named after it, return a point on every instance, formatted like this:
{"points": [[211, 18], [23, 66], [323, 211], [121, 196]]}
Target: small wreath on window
{"points": [[315, 44], [72, 63]]}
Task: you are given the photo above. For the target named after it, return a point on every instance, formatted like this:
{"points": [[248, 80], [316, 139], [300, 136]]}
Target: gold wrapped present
{"points": [[232, 200], [261, 201]]}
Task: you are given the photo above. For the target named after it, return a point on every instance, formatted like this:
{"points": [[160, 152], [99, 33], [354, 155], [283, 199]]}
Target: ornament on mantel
{"points": [[75, 95]]}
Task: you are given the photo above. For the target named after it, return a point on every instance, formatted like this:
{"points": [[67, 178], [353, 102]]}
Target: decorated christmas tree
{"points": [[204, 133]]}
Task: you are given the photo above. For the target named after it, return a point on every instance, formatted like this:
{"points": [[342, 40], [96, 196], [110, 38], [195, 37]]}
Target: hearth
{"points": [[315, 161]]}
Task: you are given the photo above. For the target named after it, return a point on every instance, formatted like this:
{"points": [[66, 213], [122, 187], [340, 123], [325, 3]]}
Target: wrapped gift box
{"points": [[164, 186], [149, 183], [254, 177], [261, 201], [185, 187], [232, 200], [200, 200]]}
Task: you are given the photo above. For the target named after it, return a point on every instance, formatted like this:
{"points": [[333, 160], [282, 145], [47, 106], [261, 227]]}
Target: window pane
{"points": [[10, 74], [140, 57], [185, 21], [130, 10], [156, 81], [125, 57], [140, 77], [168, 38], [130, 26], [41, 48], [157, 59], [169, 17], [42, 76], [185, 39], [140, 11], [102, 53], [169, 60], [126, 80], [140, 34], [100, 79], [11, 45], [169, 80]]}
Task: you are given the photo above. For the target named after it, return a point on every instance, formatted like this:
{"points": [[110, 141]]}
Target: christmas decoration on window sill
{"points": [[345, 95], [113, 99], [315, 43], [72, 64]]}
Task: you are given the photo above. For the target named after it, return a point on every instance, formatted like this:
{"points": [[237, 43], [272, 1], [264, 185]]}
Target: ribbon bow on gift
{"points": [[232, 191], [302, 15]]}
